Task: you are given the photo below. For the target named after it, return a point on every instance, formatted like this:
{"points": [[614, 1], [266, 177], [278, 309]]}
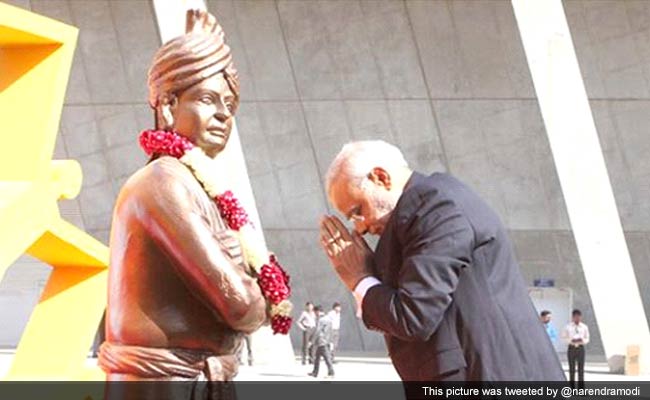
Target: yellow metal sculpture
{"points": [[35, 59]]}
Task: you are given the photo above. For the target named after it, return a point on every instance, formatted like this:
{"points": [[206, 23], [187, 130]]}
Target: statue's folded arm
{"points": [[174, 221]]}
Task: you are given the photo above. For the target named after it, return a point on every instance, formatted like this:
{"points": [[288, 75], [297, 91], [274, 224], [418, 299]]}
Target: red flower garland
{"points": [[273, 279], [280, 324], [274, 282], [164, 142], [231, 210], [274, 261]]}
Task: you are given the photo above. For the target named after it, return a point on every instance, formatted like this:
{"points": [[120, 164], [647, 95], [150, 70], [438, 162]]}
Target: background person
{"points": [[576, 335], [545, 317], [335, 316], [306, 323], [321, 339]]}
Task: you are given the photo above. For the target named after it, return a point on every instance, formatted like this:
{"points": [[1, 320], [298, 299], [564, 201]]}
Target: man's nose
{"points": [[360, 227]]}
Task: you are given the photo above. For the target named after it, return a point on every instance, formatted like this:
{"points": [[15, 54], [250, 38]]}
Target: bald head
{"points": [[357, 159], [365, 181]]}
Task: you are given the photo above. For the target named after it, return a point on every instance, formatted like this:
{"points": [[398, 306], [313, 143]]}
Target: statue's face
{"points": [[204, 114]]}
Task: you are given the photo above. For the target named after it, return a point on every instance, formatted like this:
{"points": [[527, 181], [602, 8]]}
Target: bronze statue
{"points": [[181, 294]]}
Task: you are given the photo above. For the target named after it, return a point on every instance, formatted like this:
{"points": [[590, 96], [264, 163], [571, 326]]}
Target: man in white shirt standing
{"points": [[576, 335], [335, 316], [306, 323]]}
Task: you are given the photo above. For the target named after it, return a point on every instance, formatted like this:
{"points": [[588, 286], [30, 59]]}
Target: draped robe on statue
{"points": [[180, 294]]}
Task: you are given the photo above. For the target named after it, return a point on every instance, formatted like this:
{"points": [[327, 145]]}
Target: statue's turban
{"points": [[191, 58]]}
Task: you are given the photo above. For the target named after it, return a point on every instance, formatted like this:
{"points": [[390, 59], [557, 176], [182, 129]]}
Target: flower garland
{"points": [[272, 279]]}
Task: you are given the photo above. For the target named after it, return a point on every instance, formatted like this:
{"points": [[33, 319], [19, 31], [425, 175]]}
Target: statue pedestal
{"points": [[270, 349]]}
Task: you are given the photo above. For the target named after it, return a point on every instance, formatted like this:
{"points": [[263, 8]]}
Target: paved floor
{"points": [[347, 369], [381, 369]]}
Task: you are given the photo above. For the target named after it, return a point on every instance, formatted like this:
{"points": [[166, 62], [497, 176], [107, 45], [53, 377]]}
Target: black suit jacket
{"points": [[452, 295], [322, 334]]}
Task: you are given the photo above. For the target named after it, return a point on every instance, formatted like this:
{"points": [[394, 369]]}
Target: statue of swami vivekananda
{"points": [[183, 287]]}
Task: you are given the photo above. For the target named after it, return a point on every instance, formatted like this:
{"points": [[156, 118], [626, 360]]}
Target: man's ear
{"points": [[380, 176], [168, 104]]}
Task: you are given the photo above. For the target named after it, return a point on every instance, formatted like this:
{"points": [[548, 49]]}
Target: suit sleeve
{"points": [[174, 221], [437, 243]]}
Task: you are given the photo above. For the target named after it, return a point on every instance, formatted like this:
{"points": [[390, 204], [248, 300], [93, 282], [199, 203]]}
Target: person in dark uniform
{"points": [[442, 285], [321, 340]]}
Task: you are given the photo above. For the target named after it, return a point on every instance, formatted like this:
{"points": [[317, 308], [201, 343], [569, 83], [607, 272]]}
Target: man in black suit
{"points": [[321, 339], [443, 284]]}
